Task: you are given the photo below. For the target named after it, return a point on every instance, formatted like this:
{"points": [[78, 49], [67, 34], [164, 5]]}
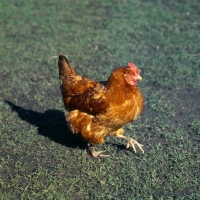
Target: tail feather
{"points": [[65, 68]]}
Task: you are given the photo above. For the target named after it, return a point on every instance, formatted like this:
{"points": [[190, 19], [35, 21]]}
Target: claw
{"points": [[132, 143], [97, 154]]}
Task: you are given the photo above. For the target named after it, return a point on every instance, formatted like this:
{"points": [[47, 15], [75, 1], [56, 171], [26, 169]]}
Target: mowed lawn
{"points": [[40, 158]]}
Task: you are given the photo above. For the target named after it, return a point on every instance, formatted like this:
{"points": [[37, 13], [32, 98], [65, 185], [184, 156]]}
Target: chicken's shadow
{"points": [[50, 124]]}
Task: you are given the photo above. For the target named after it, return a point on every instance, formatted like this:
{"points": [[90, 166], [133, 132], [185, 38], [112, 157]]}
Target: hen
{"points": [[97, 109]]}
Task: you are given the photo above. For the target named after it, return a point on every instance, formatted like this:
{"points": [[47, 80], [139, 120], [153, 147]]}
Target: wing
{"points": [[80, 93], [76, 85]]}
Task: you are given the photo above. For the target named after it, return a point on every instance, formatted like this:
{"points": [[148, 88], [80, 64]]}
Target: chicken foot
{"points": [[132, 143], [96, 154]]}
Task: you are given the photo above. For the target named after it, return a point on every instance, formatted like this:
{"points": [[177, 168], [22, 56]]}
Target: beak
{"points": [[139, 77]]}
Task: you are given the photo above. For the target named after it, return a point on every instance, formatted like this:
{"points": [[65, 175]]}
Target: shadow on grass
{"points": [[50, 124]]}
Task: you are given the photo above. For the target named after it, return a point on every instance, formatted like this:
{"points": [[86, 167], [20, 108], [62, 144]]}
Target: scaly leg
{"points": [[131, 142], [96, 154]]}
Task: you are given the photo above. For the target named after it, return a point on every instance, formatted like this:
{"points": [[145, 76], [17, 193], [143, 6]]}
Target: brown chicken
{"points": [[97, 109]]}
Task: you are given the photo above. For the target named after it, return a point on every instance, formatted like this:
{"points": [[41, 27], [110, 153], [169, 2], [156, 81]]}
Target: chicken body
{"points": [[94, 109]]}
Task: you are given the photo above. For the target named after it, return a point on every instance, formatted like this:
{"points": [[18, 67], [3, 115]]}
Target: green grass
{"points": [[40, 158]]}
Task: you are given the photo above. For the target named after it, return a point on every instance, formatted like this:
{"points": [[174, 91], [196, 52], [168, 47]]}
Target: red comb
{"points": [[133, 67]]}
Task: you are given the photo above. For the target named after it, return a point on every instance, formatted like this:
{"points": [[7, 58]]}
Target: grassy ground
{"points": [[40, 158]]}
